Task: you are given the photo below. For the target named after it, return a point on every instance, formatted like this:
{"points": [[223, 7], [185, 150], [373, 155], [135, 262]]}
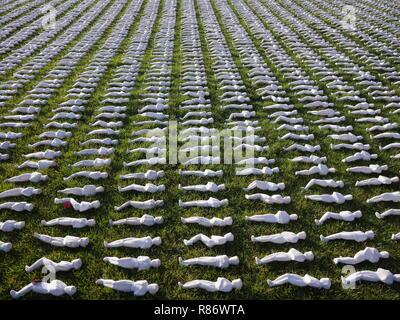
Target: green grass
{"points": [[27, 249]]}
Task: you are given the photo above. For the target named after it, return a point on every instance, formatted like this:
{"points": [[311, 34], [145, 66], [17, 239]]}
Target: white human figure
{"points": [[299, 281], [148, 187], [358, 236], [55, 287], [305, 148], [345, 137], [354, 146], [276, 198], [328, 183], [149, 174], [95, 175], [390, 212], [279, 238], [372, 168], [102, 151], [91, 163], [256, 171], [205, 222], [210, 203], [79, 206], [205, 173], [368, 254], [139, 263], [281, 217], [380, 275], [221, 261], [291, 255], [27, 192], [336, 128], [255, 161], [311, 159], [11, 225], [395, 236], [320, 169], [138, 288], [25, 177], [71, 222], [40, 165], [388, 196], [209, 241], [54, 266], [87, 190], [209, 187], [106, 141], [142, 243], [148, 204], [5, 246], [222, 285], [150, 161], [48, 154], [335, 197], [265, 185], [377, 181], [342, 215], [60, 134], [17, 206], [362, 155], [68, 241], [146, 220]]}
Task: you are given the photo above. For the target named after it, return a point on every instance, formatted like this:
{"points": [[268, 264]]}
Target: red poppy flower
{"points": [[36, 281], [67, 205]]}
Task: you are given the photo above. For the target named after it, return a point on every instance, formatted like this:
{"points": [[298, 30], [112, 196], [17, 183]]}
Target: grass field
{"points": [[245, 15]]}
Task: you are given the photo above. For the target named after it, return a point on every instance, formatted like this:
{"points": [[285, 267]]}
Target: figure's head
{"points": [[370, 234], [309, 255], [159, 220], [302, 235], [358, 213], [326, 283], [91, 222], [157, 241], [293, 217], [234, 260], [153, 288], [70, 290], [77, 263], [155, 263], [228, 220], [84, 242], [229, 236], [237, 284], [384, 254]]}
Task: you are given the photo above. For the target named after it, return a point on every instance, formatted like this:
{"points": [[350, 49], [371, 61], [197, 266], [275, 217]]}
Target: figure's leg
{"points": [[43, 237], [114, 244], [39, 263], [106, 283], [22, 292]]}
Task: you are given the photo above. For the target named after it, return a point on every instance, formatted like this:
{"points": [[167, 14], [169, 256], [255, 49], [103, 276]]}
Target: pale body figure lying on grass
{"points": [[389, 196], [255, 171], [358, 236], [148, 187], [380, 275], [146, 220], [265, 185], [222, 285], [209, 241], [75, 223], [329, 183], [209, 187], [11, 225], [17, 206], [95, 175], [291, 255], [275, 198], [79, 206], [210, 203], [137, 288], [281, 217], [205, 173], [390, 212], [86, 191], [381, 180], [68, 241], [279, 238], [342, 215], [372, 168], [149, 175], [321, 169], [142, 243], [299, 281], [55, 287], [335, 197], [139, 263], [368, 254], [206, 222], [16, 192], [148, 204], [25, 177], [54, 266], [221, 261]]}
